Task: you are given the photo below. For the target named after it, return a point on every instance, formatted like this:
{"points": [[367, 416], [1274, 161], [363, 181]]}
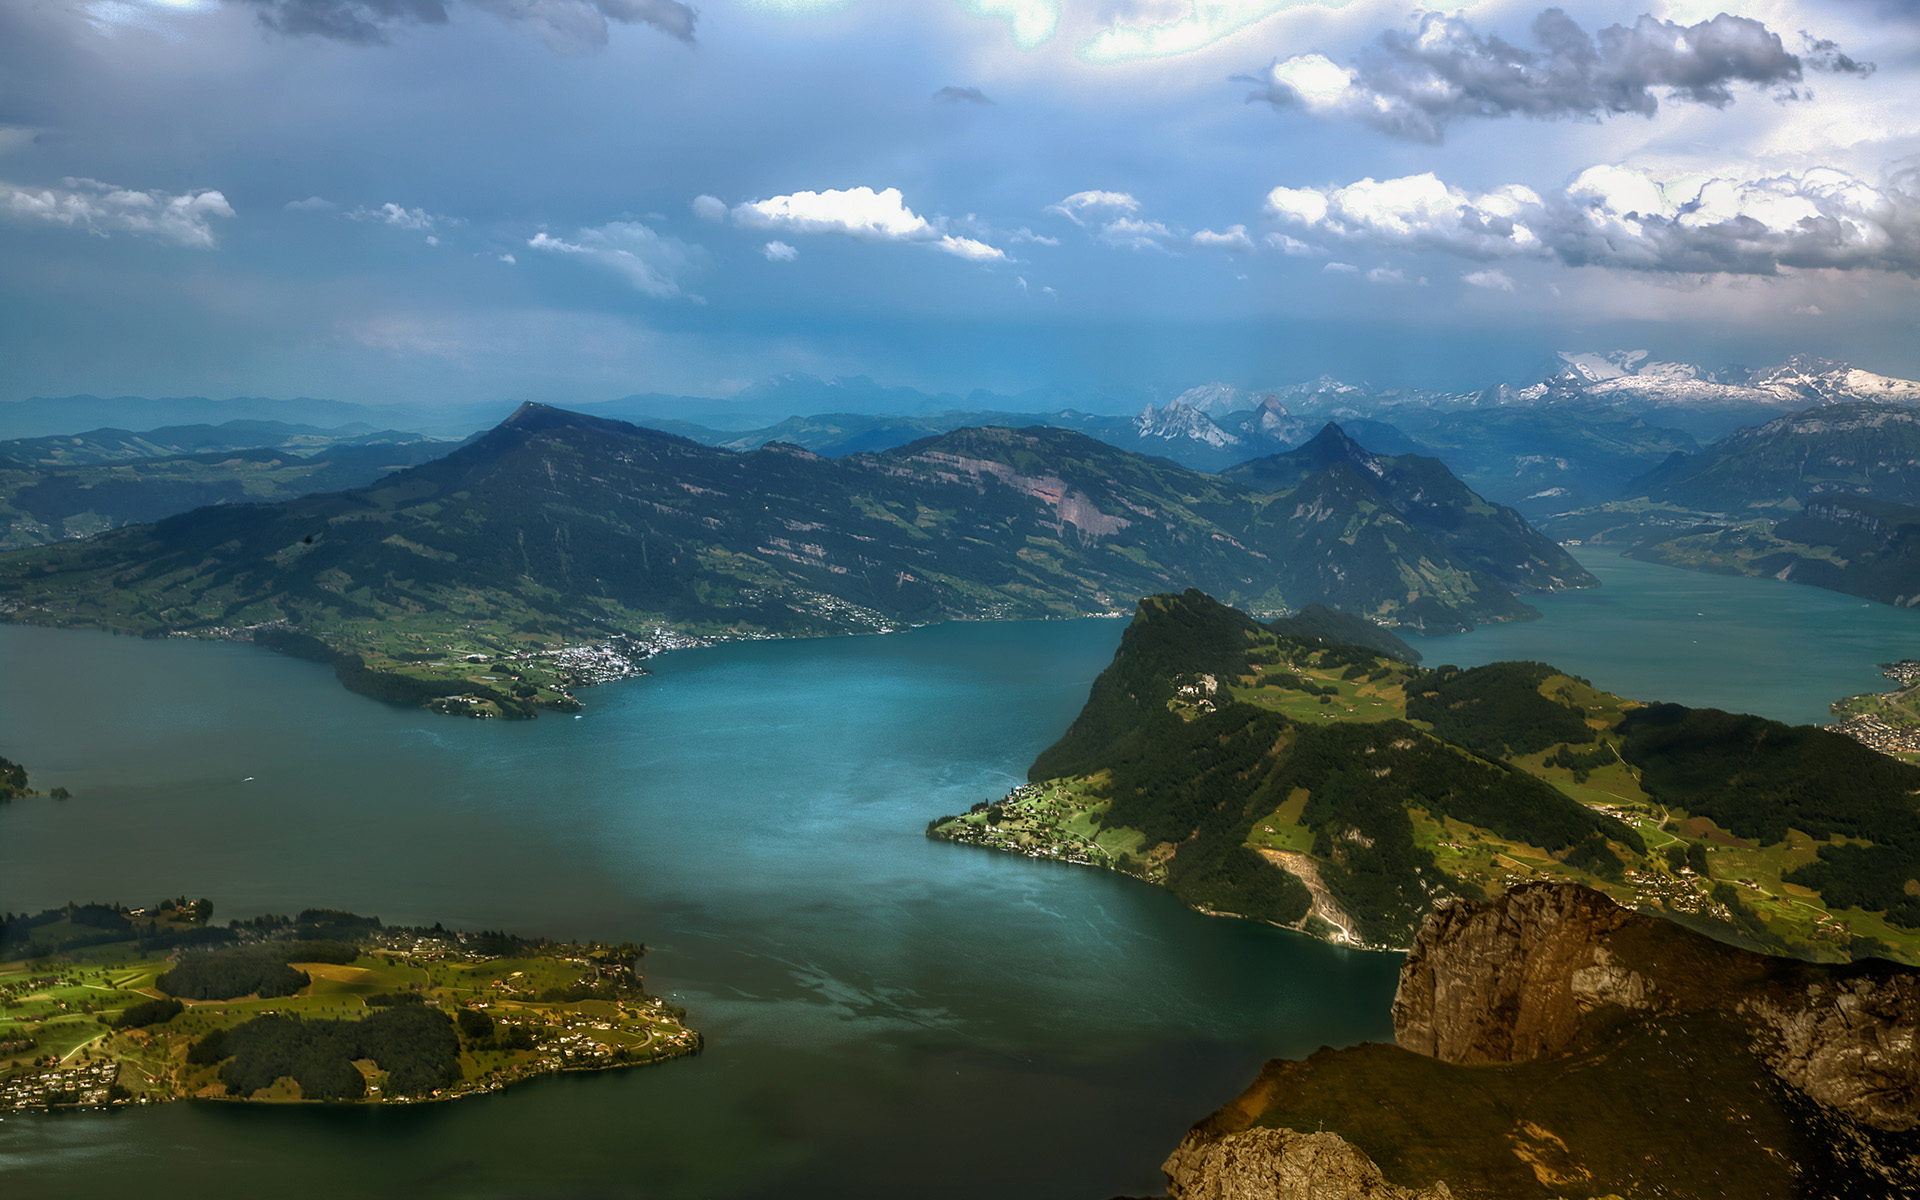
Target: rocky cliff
{"points": [[1552, 1043]]}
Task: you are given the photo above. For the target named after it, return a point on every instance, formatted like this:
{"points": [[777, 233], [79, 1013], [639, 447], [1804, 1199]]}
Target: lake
{"points": [[885, 1015]]}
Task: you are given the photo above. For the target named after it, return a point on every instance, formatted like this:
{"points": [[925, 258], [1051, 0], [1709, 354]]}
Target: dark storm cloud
{"points": [[962, 95], [567, 26], [1412, 84]]}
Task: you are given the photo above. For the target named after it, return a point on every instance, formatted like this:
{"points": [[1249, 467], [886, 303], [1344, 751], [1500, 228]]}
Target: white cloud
{"points": [[1031, 22], [417, 219], [1290, 245], [857, 212], [508, 259], [1388, 275], [709, 208], [1204, 23], [1340, 268], [1417, 212], [1493, 279], [104, 209], [779, 252], [1615, 216], [652, 262], [1131, 233], [311, 204], [1023, 234], [1233, 238], [1081, 202], [970, 249], [861, 213]]}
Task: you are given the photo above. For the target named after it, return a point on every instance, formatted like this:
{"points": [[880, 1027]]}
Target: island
{"points": [[1282, 772], [103, 1005]]}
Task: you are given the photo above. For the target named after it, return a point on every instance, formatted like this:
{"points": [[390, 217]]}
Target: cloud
{"points": [[1340, 268], [311, 204], [652, 262], [1206, 22], [1414, 84], [1233, 238], [1023, 234], [861, 213], [1493, 279], [1392, 276], [709, 208], [962, 95], [1031, 22], [779, 252], [1131, 233], [508, 259], [567, 26], [1081, 202], [1619, 217], [417, 219], [104, 209]]}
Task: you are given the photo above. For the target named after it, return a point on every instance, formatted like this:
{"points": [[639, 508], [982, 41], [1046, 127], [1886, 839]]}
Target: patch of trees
{"points": [[1870, 877], [1495, 710], [394, 999], [1593, 855], [1169, 635], [473, 1023], [1582, 762], [1321, 625], [415, 1044], [1760, 778], [261, 970], [13, 780], [149, 1012]]}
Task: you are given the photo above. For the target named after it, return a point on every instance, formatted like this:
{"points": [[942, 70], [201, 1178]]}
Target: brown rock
{"points": [[1279, 1164]]}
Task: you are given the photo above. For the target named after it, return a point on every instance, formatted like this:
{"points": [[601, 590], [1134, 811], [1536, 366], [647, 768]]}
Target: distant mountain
{"points": [[1706, 404], [1856, 449], [1829, 496], [561, 525], [1495, 539], [42, 503], [120, 445]]}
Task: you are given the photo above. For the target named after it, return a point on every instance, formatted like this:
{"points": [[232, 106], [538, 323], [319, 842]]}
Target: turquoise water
{"points": [[873, 1001], [886, 1016], [1652, 632]]}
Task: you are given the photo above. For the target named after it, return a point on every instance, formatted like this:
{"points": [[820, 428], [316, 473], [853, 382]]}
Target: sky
{"points": [[438, 201]]}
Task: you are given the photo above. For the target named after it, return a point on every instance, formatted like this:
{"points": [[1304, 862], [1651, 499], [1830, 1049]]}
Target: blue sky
{"points": [[565, 200]]}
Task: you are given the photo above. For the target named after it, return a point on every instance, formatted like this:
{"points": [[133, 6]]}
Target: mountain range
{"points": [[556, 524], [1829, 496]]}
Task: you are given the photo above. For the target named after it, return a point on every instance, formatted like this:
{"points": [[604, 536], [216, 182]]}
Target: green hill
{"points": [[1337, 790], [558, 528]]}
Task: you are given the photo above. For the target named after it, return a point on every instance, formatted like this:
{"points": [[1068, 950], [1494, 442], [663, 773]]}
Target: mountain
{"points": [[120, 445], [1552, 1044], [1851, 449], [1828, 496], [561, 526], [1421, 491], [1707, 404], [1271, 772], [40, 504]]}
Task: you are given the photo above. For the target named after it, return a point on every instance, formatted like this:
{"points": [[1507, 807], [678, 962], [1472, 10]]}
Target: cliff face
{"points": [[1522, 977], [1554, 1044]]}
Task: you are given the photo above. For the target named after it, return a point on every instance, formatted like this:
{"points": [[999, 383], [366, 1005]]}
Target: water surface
{"points": [[886, 1015]]}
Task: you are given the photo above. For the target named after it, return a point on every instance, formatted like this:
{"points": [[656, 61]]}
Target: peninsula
{"points": [[1281, 773], [103, 1005]]}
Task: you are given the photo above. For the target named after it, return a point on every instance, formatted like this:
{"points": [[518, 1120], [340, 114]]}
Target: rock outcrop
{"points": [[1279, 1164], [1520, 977], [1555, 1045]]}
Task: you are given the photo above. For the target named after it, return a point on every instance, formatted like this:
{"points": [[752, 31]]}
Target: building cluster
{"points": [[88, 1084]]}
